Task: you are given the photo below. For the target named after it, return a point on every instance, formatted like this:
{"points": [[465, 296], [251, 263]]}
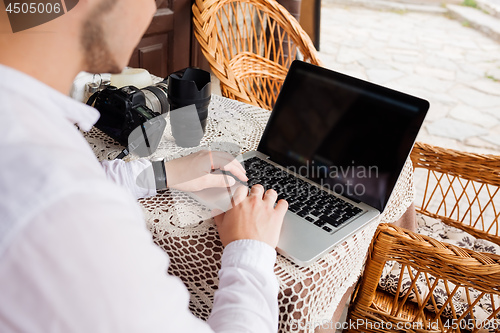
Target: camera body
{"points": [[122, 111], [126, 118]]}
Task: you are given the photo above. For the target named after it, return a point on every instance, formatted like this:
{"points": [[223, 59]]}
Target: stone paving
{"points": [[454, 67]]}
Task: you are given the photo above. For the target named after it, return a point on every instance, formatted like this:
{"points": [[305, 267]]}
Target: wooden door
{"points": [[310, 16], [166, 45]]}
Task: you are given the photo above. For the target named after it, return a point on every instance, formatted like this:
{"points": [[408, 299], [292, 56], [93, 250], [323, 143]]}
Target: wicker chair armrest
{"points": [[481, 168], [427, 255], [462, 189]]}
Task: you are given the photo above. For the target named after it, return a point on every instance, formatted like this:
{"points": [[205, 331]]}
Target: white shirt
{"points": [[75, 254]]}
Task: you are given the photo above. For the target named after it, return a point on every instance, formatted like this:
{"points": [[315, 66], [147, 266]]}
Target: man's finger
{"points": [[225, 161], [221, 158], [219, 180], [257, 190], [235, 170], [240, 194], [233, 159], [270, 196], [281, 207]]}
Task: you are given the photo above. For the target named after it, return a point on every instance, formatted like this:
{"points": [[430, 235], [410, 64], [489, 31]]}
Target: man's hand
{"points": [[193, 172], [253, 217]]}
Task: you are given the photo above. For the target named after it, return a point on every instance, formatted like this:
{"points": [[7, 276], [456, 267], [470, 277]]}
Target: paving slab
{"points": [[488, 24], [490, 87], [437, 111], [347, 55], [401, 7], [454, 129], [495, 112], [492, 7], [382, 76], [436, 72], [475, 98], [478, 142], [473, 116], [493, 74], [495, 139], [430, 56]]}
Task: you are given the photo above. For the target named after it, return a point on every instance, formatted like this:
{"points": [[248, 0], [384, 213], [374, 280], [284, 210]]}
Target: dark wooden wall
{"points": [[169, 44]]}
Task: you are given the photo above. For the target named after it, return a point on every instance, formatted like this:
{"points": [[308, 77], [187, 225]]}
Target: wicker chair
{"points": [[250, 44], [461, 190]]}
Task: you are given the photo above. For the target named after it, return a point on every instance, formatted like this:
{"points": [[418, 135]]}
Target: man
{"points": [[75, 255]]}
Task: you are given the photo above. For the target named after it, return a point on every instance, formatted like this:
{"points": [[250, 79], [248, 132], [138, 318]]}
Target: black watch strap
{"points": [[160, 174]]}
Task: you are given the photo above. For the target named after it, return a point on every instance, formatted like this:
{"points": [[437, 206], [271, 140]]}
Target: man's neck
{"points": [[49, 57]]}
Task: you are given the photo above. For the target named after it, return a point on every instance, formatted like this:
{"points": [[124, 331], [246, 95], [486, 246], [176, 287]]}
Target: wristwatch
{"points": [[160, 174]]}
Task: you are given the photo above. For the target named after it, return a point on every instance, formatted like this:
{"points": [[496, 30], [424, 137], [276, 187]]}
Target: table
{"points": [[184, 229]]}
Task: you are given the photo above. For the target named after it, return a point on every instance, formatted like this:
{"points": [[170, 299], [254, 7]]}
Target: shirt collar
{"points": [[74, 111], [84, 116]]}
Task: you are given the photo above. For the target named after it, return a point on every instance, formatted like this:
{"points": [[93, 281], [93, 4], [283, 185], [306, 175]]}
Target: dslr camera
{"points": [[132, 116]]}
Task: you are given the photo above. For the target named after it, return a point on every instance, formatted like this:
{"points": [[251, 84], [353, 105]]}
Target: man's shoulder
{"points": [[36, 177], [44, 160], [42, 152]]}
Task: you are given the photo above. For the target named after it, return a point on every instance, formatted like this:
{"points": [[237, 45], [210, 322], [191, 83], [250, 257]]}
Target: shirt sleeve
{"points": [[247, 298], [136, 176], [87, 263]]}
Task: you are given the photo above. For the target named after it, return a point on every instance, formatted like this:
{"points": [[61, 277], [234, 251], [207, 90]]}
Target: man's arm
{"points": [[189, 173], [87, 264], [250, 233], [247, 298], [126, 175]]}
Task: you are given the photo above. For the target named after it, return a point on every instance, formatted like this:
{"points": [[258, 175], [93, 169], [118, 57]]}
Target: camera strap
{"points": [[92, 98]]}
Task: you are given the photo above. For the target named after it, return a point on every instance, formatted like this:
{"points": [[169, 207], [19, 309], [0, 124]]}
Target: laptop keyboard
{"points": [[322, 209]]}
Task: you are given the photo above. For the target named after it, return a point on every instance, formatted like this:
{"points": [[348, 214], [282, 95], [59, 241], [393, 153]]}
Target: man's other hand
{"points": [[194, 172], [254, 216]]}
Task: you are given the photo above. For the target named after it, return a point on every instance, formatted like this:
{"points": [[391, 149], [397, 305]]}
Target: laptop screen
{"points": [[345, 134]]}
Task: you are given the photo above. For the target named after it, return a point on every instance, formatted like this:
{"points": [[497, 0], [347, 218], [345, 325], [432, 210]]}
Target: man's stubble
{"points": [[98, 58]]}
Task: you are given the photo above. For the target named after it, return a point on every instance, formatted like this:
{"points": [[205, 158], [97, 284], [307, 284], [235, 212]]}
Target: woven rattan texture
{"points": [[465, 274], [461, 189], [438, 230], [250, 45], [184, 229]]}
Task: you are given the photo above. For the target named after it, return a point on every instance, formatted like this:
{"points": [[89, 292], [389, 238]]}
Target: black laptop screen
{"points": [[348, 135]]}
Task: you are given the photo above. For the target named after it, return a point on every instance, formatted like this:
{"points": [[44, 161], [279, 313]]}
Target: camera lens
{"points": [[156, 97], [190, 86], [188, 125]]}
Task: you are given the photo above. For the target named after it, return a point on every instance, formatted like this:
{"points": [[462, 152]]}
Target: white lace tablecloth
{"points": [[183, 228]]}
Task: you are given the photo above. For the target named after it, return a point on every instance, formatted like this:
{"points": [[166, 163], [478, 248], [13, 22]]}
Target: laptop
{"points": [[334, 148]]}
